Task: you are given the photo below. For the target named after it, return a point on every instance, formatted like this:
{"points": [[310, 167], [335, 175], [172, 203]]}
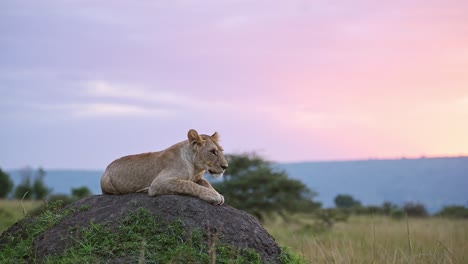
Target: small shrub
{"points": [[330, 216], [415, 210], [80, 192], [398, 214]]}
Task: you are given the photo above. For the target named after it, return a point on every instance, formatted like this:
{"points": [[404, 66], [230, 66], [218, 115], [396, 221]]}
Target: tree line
{"points": [[32, 187], [251, 184]]}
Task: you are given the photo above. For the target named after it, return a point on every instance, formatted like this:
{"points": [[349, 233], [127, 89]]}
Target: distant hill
{"points": [[435, 182]]}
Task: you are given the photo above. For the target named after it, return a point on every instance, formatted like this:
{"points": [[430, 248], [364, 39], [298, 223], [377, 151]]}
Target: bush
{"points": [[80, 192], [389, 208], [24, 189], [65, 199], [398, 214], [454, 211], [251, 184], [415, 210], [40, 190], [6, 184], [346, 201], [330, 216], [36, 189]]}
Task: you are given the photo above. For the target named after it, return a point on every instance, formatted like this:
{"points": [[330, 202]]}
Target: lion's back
{"points": [[131, 173]]}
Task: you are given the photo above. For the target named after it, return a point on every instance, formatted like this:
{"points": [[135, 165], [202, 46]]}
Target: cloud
{"points": [[100, 88], [105, 89], [117, 110], [98, 110]]}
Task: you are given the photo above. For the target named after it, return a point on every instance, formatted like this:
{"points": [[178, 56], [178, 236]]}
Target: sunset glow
{"points": [[83, 83]]}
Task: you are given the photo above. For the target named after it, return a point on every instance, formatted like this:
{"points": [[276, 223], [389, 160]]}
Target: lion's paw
{"points": [[217, 199], [222, 200]]}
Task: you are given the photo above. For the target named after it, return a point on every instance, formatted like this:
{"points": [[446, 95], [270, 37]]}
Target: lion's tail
{"points": [[144, 190]]}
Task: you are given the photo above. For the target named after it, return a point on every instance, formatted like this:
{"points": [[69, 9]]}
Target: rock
{"points": [[232, 226]]}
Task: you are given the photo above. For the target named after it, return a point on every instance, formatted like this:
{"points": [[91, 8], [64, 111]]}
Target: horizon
{"points": [[273, 162], [84, 83], [370, 181]]}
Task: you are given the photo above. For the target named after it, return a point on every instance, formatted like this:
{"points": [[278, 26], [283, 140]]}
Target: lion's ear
{"points": [[195, 140], [215, 136]]}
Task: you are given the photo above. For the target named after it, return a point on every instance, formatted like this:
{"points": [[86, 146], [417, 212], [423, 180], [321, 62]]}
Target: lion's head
{"points": [[208, 153]]}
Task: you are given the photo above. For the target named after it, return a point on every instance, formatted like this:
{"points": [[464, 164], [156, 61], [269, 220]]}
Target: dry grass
{"points": [[367, 239], [13, 210]]}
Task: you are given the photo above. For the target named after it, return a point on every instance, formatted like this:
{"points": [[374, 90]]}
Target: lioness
{"points": [[176, 170]]}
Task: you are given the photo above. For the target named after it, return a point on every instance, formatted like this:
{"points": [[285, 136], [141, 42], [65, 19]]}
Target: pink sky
{"points": [[293, 80]]}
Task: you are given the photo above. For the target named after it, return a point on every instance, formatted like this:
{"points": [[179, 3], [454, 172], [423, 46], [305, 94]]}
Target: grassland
{"points": [[362, 239], [12, 210], [374, 239]]}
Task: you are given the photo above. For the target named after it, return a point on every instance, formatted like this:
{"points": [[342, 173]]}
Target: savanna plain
{"points": [[360, 239], [374, 239]]}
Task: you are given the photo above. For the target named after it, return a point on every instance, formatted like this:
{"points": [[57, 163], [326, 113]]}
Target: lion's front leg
{"points": [[207, 184], [203, 182], [162, 185]]}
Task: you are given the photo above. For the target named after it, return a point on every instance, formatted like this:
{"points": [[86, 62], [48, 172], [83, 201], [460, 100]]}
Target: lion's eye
{"points": [[214, 152]]}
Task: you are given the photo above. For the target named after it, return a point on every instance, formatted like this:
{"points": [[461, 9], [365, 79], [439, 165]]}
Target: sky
{"points": [[85, 82]]}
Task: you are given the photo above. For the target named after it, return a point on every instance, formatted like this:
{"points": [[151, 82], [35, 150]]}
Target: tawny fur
{"points": [[178, 169]]}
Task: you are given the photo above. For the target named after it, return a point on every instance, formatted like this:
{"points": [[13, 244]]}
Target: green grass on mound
{"points": [[139, 238]]}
